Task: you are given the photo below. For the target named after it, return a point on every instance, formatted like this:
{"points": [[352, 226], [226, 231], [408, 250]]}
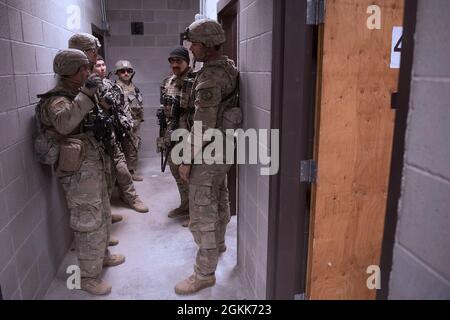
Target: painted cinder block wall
{"points": [[421, 264], [163, 20], [34, 233], [255, 66]]}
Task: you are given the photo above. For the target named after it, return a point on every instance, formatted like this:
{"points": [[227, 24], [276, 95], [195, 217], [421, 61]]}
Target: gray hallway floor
{"points": [[159, 252]]}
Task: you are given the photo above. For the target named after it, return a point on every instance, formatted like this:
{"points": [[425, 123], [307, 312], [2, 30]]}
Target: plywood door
{"points": [[354, 130]]}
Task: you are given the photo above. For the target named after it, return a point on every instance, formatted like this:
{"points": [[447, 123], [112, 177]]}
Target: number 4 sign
{"points": [[396, 51]]}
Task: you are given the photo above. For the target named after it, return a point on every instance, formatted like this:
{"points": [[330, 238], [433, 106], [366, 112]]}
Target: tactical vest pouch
{"points": [[71, 156], [46, 148]]}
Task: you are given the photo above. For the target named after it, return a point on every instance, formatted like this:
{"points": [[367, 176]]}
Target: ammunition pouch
{"points": [[71, 155]]}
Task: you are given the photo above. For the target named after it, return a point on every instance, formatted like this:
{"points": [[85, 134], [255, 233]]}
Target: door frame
{"points": [[398, 152], [294, 55]]}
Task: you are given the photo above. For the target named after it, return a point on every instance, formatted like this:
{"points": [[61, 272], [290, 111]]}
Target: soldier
{"points": [[82, 167], [90, 45], [120, 173], [134, 102], [179, 63], [214, 90]]}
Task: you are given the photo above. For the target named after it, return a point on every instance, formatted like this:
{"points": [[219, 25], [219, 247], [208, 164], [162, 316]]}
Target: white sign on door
{"points": [[396, 51]]}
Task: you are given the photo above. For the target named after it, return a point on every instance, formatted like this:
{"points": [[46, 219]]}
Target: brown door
{"points": [[353, 142]]}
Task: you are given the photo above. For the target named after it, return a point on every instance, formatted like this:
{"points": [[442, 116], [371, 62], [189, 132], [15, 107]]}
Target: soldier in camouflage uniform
{"points": [[83, 165], [209, 206], [120, 172], [134, 103], [179, 63], [90, 45]]}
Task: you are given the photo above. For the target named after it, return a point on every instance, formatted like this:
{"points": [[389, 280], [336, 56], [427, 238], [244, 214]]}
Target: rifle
{"points": [[102, 127], [164, 130], [121, 126]]}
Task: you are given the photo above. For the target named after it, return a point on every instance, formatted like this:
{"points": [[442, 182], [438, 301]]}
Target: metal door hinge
{"points": [[308, 171], [315, 12]]}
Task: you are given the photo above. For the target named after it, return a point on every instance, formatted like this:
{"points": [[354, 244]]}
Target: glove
{"points": [[92, 84]]}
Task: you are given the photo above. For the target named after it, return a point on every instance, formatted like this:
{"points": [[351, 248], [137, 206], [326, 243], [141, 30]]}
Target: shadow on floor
{"points": [[159, 252]]}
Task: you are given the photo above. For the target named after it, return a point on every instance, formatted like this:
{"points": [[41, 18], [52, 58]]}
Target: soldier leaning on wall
{"points": [[82, 165]]}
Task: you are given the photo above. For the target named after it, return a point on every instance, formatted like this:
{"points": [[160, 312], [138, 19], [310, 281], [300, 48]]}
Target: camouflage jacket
{"points": [[214, 83], [134, 101], [172, 87]]}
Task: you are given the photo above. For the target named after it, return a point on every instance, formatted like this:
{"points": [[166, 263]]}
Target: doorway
{"points": [[353, 146]]}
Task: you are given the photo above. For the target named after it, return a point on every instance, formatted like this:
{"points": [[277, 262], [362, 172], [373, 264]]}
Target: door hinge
{"points": [[315, 12], [308, 171]]}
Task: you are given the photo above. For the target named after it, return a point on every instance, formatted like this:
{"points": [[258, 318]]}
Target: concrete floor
{"points": [[159, 252]]}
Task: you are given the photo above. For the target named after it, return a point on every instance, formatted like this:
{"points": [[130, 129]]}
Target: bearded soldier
{"points": [[179, 63], [67, 113], [134, 103], [214, 93]]}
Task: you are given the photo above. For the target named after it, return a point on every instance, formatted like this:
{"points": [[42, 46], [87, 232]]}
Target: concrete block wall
{"points": [[421, 265], [255, 65], [34, 233], [163, 20]]}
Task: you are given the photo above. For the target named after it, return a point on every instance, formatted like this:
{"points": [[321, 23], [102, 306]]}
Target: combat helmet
{"points": [[84, 42], [207, 31], [123, 64], [68, 62]]}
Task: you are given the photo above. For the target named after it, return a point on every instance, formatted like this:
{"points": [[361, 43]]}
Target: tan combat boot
{"points": [[96, 287], [136, 177], [138, 205], [178, 213], [222, 248], [194, 284], [116, 218], [113, 260], [113, 242], [185, 223]]}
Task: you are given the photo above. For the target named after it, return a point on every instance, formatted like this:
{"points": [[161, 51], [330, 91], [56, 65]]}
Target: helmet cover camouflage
{"points": [[68, 62]]}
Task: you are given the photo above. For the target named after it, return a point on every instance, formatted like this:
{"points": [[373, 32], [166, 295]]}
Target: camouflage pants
{"points": [[130, 148], [209, 210], [87, 198], [183, 187], [122, 176]]}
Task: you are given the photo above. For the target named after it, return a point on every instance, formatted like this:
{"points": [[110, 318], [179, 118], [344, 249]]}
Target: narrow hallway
{"points": [[159, 252]]}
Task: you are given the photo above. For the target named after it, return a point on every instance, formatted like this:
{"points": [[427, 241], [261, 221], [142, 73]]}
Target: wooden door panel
{"points": [[353, 148]]}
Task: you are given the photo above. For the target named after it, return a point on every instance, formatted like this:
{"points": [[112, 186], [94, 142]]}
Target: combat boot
{"points": [[194, 284], [222, 248], [136, 177], [113, 260], [137, 205], [113, 242], [116, 218], [185, 223], [96, 287], [178, 213]]}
